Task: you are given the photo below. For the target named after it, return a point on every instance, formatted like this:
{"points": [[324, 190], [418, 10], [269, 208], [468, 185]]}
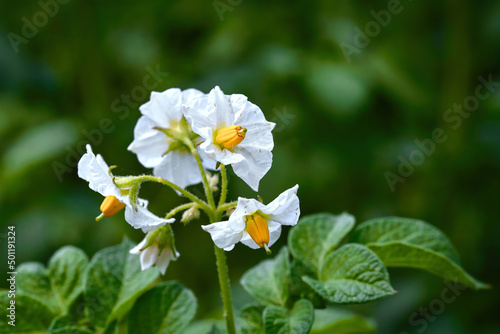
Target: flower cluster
{"points": [[255, 224], [181, 135]]}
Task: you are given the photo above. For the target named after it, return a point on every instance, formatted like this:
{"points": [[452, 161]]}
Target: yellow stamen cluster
{"points": [[230, 136], [110, 206], [258, 229]]}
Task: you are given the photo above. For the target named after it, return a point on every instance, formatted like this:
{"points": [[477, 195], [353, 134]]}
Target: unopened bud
{"points": [[192, 213], [213, 181]]}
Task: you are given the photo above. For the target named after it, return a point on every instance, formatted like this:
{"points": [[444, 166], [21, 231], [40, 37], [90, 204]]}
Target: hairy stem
{"points": [[223, 193], [220, 255], [204, 206], [206, 186], [178, 209], [225, 289], [225, 206]]}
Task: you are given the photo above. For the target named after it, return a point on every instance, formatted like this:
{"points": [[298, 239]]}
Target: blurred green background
{"points": [[342, 124]]}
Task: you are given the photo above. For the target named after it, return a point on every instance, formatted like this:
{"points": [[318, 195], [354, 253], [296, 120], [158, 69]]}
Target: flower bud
{"points": [[213, 181], [190, 214]]}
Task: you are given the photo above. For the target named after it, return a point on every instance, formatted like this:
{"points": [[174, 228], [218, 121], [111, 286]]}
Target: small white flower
{"points": [[235, 132], [151, 255], [168, 156], [94, 169], [255, 224]]}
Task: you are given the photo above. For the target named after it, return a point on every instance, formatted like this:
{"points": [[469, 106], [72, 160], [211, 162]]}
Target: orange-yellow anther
{"points": [[230, 136], [111, 206], [258, 230]]}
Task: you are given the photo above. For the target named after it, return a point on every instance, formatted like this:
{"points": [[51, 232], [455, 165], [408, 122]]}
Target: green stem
{"points": [[220, 254], [223, 193], [225, 289], [186, 193], [225, 206], [206, 186], [179, 208]]}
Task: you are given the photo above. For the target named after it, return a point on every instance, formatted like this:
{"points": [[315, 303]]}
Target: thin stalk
{"points": [[223, 193], [179, 208], [225, 289], [206, 186], [186, 193], [220, 254], [225, 206]]}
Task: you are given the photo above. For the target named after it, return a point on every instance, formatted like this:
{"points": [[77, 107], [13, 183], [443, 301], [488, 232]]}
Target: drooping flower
{"points": [[157, 248], [255, 224], [158, 137], [234, 132], [94, 169]]}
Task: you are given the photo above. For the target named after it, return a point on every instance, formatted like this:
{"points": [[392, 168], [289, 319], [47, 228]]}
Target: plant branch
{"points": [[204, 206], [206, 185], [223, 193], [222, 270], [179, 208], [225, 206]]}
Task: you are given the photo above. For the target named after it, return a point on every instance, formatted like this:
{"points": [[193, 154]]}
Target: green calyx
{"points": [[163, 237], [125, 183], [177, 135], [128, 186]]}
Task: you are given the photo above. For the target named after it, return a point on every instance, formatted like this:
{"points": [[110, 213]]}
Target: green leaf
{"points": [[58, 286], [113, 328], [66, 268], [74, 321], [32, 280], [269, 281], [68, 324], [31, 316], [300, 289], [250, 320], [340, 321], [279, 320], [410, 231], [404, 242], [352, 274], [315, 236], [113, 283], [206, 327], [168, 308]]}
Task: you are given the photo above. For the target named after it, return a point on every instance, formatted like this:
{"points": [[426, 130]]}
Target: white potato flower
{"points": [[94, 169], [152, 253], [234, 132], [158, 136], [255, 224]]}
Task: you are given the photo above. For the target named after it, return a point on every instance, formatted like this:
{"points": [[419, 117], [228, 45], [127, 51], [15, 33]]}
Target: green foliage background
{"points": [[340, 126]]}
